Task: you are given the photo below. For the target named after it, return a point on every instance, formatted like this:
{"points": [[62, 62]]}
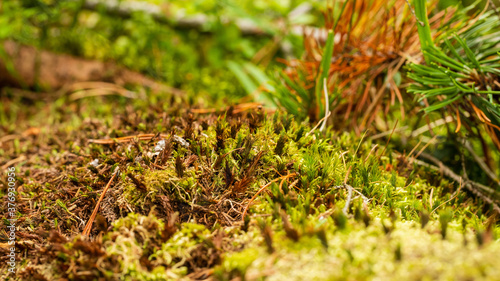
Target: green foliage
{"points": [[460, 77], [302, 220], [458, 73]]}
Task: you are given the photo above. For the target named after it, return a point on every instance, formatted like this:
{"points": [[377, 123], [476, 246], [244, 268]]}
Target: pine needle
{"points": [[88, 226], [260, 190]]}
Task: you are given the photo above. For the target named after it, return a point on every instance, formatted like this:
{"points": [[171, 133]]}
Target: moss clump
{"points": [[329, 205], [365, 253], [138, 248]]}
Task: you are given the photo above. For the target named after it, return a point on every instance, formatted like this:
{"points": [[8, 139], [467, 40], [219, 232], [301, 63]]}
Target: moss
{"points": [[172, 224], [364, 253], [237, 264]]}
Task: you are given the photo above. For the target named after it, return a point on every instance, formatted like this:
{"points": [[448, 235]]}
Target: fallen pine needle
{"points": [[88, 226], [451, 198], [236, 108], [127, 139], [260, 190]]}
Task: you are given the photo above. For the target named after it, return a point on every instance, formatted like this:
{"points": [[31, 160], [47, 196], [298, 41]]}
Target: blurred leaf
{"points": [[247, 83]]}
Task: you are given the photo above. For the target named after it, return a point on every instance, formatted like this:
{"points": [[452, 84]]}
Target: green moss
{"points": [[364, 253], [237, 264]]}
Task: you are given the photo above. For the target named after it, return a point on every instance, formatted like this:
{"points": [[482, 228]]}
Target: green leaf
{"points": [[423, 28], [247, 83], [469, 53], [442, 104], [439, 91], [303, 94], [441, 58], [454, 51]]}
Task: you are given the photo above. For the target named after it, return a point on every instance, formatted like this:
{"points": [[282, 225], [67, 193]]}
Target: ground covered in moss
{"points": [[242, 193]]}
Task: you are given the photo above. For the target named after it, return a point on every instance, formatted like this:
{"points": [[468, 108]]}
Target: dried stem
{"points": [[475, 188], [127, 139], [481, 163], [260, 190], [327, 106], [349, 188]]}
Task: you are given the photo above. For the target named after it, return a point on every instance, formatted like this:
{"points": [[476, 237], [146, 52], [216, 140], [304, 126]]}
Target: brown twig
{"points": [[425, 146], [370, 153], [236, 108], [475, 188], [127, 139], [481, 163], [88, 226]]}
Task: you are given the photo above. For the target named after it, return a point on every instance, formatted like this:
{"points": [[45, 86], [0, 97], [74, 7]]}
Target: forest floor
{"points": [[236, 193]]}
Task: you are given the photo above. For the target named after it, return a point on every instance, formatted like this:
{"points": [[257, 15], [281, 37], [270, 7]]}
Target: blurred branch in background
{"points": [[127, 8], [28, 67], [246, 26], [291, 25]]}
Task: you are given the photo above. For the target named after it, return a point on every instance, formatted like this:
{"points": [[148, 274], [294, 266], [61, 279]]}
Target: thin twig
{"points": [[349, 188], [475, 188], [349, 196], [425, 146], [388, 140], [413, 12], [431, 126], [365, 199], [451, 198], [415, 148], [386, 133], [127, 139], [370, 153], [236, 108], [320, 121]]}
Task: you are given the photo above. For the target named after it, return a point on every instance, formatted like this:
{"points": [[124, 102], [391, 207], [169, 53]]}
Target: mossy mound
{"points": [[239, 194]]}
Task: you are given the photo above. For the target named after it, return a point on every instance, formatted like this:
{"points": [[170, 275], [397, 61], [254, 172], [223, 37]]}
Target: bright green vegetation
{"points": [[463, 69], [295, 229]]}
